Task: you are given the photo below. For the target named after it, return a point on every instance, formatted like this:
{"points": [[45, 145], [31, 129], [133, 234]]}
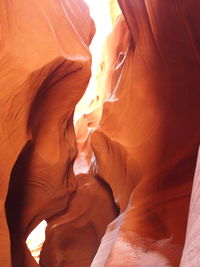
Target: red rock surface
{"points": [[139, 143], [155, 119], [45, 68]]}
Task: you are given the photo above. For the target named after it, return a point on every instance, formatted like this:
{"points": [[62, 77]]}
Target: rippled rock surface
{"points": [[136, 204]]}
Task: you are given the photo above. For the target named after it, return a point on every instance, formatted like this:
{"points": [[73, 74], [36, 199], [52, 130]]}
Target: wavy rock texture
{"points": [[151, 145], [73, 238], [138, 145], [45, 68]]}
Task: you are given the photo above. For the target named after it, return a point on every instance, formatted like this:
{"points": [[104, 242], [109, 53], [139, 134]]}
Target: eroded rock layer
{"points": [[45, 68], [155, 123], [138, 145]]}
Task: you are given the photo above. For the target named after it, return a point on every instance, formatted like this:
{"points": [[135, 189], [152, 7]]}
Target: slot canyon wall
{"points": [[119, 188]]}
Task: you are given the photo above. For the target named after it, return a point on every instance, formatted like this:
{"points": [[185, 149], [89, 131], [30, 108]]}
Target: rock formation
{"points": [[134, 153], [157, 95], [45, 68]]}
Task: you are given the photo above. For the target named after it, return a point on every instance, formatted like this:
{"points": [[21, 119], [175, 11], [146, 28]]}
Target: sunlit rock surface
{"points": [[36, 239], [155, 121], [45, 69], [191, 255], [133, 152]]}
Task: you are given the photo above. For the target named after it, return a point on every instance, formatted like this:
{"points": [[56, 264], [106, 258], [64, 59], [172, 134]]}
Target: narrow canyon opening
{"points": [[104, 14]]}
